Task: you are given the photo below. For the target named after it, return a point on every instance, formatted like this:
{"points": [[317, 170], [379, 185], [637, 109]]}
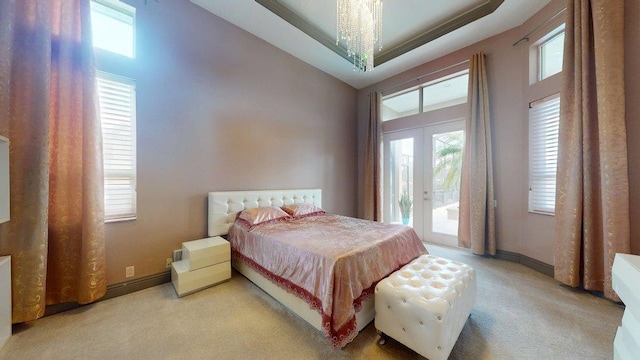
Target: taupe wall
{"points": [[219, 109], [518, 230]]}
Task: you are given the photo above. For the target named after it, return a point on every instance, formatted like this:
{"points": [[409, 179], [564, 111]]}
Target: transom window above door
{"points": [[440, 93]]}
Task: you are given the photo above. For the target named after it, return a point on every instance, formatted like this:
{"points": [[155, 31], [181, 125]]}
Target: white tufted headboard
{"points": [[225, 205]]}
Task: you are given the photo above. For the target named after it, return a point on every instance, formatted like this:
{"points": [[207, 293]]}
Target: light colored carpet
{"points": [[519, 314]]}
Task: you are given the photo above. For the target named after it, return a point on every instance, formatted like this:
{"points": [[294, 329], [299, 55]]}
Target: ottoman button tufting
{"points": [[442, 306]]}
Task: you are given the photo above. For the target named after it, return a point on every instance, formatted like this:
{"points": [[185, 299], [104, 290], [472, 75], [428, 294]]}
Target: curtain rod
{"points": [[526, 37], [423, 75]]}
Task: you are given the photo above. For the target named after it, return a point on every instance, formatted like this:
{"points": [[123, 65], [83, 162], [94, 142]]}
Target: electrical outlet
{"points": [[129, 271], [168, 263]]}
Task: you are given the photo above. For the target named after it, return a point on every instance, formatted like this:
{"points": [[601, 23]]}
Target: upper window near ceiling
{"points": [[113, 26], [445, 92], [440, 93], [401, 105], [550, 53]]}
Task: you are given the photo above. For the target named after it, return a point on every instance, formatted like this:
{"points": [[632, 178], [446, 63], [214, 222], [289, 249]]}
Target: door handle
{"points": [[426, 195]]}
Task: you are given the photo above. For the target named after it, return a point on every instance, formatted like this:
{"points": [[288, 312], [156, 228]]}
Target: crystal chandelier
{"points": [[360, 25]]}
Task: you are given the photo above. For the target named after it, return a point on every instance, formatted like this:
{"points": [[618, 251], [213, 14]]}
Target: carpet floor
{"points": [[519, 314]]}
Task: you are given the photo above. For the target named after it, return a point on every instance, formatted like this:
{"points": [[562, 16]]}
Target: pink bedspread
{"points": [[332, 262]]}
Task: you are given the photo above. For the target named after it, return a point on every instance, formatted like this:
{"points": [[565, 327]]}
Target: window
{"points": [[544, 116], [117, 99], [401, 105], [113, 27], [550, 54], [113, 30], [443, 92]]}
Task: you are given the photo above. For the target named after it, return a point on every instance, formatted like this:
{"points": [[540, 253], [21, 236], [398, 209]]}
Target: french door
{"points": [[421, 176]]}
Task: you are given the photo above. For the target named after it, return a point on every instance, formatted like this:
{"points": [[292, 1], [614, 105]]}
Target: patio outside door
{"points": [[423, 165]]}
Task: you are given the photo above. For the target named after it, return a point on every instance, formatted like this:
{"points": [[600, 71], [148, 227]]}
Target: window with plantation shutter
{"points": [[544, 116], [118, 117]]}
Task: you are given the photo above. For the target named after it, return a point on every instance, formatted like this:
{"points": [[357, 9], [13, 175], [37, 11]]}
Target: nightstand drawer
{"points": [[205, 252], [186, 282]]}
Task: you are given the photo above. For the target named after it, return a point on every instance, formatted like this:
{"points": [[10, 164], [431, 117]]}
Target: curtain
{"points": [[476, 226], [372, 168], [48, 111], [592, 206]]}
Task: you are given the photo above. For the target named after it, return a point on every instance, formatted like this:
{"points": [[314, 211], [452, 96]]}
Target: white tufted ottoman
{"points": [[425, 304]]}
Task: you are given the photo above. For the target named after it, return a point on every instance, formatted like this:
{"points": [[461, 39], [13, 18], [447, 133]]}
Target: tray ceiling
{"points": [[414, 31]]}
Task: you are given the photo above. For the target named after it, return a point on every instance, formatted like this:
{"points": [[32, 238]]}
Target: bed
{"points": [[339, 309]]}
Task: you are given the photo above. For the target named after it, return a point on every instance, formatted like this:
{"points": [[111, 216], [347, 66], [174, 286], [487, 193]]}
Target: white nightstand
{"points": [[626, 283], [205, 262]]}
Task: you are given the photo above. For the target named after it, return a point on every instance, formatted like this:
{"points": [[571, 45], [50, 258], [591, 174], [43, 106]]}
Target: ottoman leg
{"points": [[383, 337]]}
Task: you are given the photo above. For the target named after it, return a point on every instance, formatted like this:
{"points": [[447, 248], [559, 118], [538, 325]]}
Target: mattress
{"points": [[332, 262]]}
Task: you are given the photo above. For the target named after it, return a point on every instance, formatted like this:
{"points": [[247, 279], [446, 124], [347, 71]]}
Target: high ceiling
{"points": [[413, 32]]}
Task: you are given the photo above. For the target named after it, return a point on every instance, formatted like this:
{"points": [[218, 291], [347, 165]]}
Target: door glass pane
{"points": [[401, 181], [447, 162]]}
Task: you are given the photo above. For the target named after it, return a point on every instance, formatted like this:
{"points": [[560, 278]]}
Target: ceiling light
{"points": [[360, 26]]}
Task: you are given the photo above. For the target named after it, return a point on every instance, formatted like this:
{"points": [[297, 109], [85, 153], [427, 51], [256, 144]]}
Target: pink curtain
{"points": [[48, 111], [372, 168], [592, 193], [476, 226]]}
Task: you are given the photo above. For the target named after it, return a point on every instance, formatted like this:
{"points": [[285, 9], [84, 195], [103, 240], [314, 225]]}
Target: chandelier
{"points": [[360, 25]]}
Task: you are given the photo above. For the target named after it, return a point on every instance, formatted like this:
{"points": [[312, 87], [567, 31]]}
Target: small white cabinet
{"points": [[204, 263], [626, 283], [5, 299]]}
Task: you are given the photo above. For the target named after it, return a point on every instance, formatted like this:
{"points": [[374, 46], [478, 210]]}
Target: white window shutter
{"points": [[118, 118], [544, 116]]}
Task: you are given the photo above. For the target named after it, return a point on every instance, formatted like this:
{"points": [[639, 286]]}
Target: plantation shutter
{"points": [[544, 116], [117, 115]]}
